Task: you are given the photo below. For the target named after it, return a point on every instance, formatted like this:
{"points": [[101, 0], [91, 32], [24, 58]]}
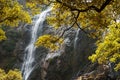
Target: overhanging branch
{"points": [[88, 8], [81, 28], [72, 8], [8, 18]]}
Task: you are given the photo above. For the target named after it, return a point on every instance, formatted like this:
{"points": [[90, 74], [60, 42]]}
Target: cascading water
{"points": [[76, 39], [29, 58]]}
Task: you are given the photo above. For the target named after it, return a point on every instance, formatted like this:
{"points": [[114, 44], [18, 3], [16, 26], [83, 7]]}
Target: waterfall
{"points": [[76, 39], [29, 57]]}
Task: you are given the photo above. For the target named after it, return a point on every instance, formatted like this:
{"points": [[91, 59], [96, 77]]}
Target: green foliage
{"points": [[49, 41], [33, 7], [11, 14], [93, 15], [2, 35], [109, 49], [96, 16], [11, 75]]}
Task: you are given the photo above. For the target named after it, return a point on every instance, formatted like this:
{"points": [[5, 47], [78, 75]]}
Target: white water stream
{"points": [[76, 39], [29, 58]]}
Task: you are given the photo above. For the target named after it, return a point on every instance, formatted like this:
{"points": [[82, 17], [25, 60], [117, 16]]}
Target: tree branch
{"points": [[76, 17], [8, 18], [81, 10], [86, 9], [67, 29], [81, 28], [102, 7], [64, 32]]}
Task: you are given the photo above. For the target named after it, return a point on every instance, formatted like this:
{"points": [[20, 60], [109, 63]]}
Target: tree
{"points": [[88, 15], [11, 75], [109, 49], [94, 17], [48, 41], [11, 14]]}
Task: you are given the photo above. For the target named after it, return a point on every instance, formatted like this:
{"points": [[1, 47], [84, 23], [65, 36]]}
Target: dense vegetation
{"points": [[11, 75], [97, 18]]}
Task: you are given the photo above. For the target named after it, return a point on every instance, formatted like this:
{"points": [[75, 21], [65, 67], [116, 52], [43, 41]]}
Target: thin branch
{"points": [[82, 10], [76, 17], [103, 6], [8, 18], [3, 20], [81, 28], [64, 32], [78, 24], [67, 30], [84, 30], [88, 8], [71, 25]]}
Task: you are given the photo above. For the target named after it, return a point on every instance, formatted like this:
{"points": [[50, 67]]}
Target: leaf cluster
{"points": [[11, 75], [49, 41], [109, 49], [2, 35]]}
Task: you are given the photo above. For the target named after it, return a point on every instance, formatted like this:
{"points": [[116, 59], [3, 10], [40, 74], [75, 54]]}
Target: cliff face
{"points": [[71, 64], [73, 56], [72, 59], [7, 56]]}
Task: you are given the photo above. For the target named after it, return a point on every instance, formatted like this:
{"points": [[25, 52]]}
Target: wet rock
{"points": [[101, 72], [7, 47], [72, 59]]}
